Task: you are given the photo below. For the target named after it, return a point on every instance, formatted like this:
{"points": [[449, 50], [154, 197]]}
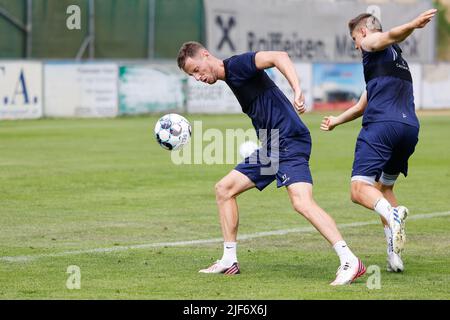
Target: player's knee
{"points": [[303, 207], [222, 191], [358, 184], [355, 190], [354, 197]]}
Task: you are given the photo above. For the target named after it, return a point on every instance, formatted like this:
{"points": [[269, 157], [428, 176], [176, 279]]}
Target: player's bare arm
{"points": [[281, 60], [352, 113], [380, 40]]}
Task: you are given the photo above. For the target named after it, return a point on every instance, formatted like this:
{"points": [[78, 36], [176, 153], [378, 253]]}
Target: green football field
{"points": [[101, 195]]}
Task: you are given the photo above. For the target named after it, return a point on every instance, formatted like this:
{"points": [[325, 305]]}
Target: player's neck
{"points": [[220, 70]]}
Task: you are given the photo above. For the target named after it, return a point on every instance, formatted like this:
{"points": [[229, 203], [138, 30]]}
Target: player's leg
{"points": [[301, 197], [373, 150], [302, 200], [372, 198], [294, 173], [247, 175], [396, 164], [364, 191], [227, 189], [386, 186], [388, 194], [371, 154], [380, 146], [369, 196]]}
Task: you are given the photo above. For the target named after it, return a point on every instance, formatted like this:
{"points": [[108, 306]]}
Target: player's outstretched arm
{"points": [[281, 60], [330, 122], [380, 40]]}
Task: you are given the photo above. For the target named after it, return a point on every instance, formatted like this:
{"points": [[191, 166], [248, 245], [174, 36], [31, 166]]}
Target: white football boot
{"points": [[397, 225], [349, 272], [217, 267], [394, 262]]}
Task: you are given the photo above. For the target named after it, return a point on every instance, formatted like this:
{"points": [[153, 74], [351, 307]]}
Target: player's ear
{"points": [[363, 31], [205, 53]]}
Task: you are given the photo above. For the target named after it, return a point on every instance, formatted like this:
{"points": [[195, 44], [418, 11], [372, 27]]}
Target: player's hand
{"points": [[299, 102], [328, 123], [422, 20]]}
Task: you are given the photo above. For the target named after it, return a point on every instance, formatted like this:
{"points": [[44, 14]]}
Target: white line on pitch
{"points": [[206, 241]]}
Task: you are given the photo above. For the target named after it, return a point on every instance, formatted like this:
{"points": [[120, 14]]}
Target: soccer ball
{"points": [[172, 131], [247, 148]]}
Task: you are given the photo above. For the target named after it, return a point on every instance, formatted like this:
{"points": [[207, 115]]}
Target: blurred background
{"points": [[105, 58]]}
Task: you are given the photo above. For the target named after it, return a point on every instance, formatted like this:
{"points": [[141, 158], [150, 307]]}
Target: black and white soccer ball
{"points": [[172, 131]]}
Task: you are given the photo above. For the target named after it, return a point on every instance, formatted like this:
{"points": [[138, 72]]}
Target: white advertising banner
{"points": [[436, 86], [309, 30], [215, 98], [81, 89], [20, 90], [149, 88], [218, 98]]}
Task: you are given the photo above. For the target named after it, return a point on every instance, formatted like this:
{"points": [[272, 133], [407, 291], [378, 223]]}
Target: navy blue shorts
{"points": [[384, 147], [291, 167]]}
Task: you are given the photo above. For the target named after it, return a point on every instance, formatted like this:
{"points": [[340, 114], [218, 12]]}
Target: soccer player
{"points": [[390, 127], [288, 150]]}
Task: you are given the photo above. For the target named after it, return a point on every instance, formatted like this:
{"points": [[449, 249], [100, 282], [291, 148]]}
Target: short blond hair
{"points": [[370, 21]]}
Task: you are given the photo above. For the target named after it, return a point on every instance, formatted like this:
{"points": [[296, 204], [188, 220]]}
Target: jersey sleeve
{"points": [[241, 68]]}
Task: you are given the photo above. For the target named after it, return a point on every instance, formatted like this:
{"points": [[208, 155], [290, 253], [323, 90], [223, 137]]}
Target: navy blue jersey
{"points": [[264, 102], [389, 87]]}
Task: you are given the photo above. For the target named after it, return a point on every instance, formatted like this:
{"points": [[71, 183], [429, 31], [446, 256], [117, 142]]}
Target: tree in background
{"points": [[443, 29]]}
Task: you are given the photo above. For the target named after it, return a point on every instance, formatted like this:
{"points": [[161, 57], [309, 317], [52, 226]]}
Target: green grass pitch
{"points": [[68, 186]]}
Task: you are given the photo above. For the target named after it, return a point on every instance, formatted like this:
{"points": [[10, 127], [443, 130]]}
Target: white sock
{"points": [[388, 234], [383, 208], [229, 254], [344, 252]]}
